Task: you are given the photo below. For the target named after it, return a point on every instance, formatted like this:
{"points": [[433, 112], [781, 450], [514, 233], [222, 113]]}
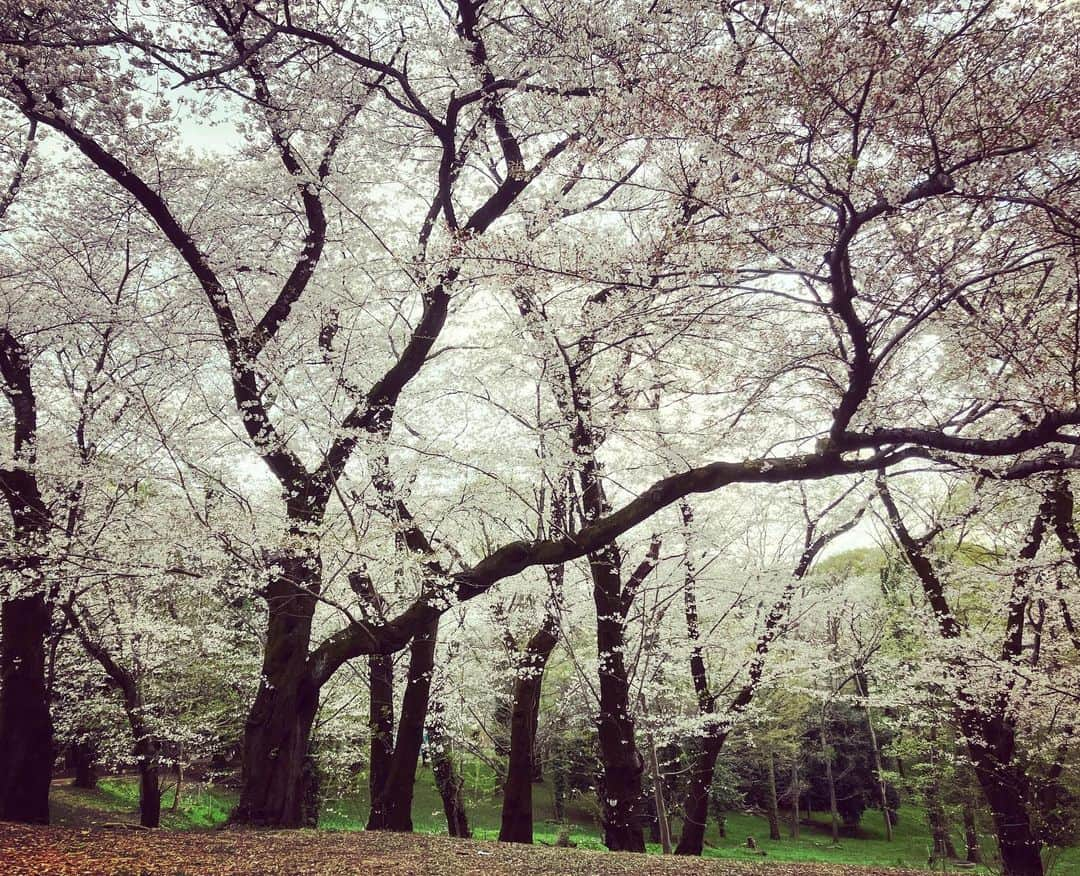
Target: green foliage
{"points": [[849, 749]]}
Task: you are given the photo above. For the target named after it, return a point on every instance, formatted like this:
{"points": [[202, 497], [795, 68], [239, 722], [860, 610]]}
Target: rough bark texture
{"points": [[274, 782], [517, 811]]}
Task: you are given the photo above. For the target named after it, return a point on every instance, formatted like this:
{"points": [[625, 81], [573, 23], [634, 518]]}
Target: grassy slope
{"points": [[117, 800]]}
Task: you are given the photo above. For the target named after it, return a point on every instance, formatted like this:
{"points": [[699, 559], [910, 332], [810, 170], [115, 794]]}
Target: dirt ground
{"points": [[120, 851]]}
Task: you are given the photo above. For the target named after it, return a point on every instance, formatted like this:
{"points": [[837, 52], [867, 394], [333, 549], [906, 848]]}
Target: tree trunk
{"points": [[392, 810], [26, 731], [83, 760], [274, 777], [517, 812], [774, 805], [939, 824], [447, 780], [621, 794], [662, 821], [834, 815], [149, 792], [380, 722], [971, 835], [26, 741], [1006, 787], [696, 806], [795, 794], [863, 690], [179, 784]]}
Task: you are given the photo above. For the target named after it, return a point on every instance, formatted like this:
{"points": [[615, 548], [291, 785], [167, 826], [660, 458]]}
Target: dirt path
{"points": [[59, 851]]}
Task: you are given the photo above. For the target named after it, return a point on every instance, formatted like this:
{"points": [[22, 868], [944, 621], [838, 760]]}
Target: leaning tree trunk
{"points": [[696, 804], [447, 780], [392, 810], [991, 743], [275, 773], [517, 811], [26, 741]]}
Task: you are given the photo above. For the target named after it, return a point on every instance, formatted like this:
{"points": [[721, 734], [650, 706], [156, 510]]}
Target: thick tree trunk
{"points": [[696, 805], [392, 810], [1006, 789], [380, 721], [621, 795], [991, 737], [447, 780], [149, 794], [26, 732], [774, 805], [517, 811], [275, 777]]}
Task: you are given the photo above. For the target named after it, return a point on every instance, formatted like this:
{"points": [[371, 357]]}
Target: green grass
{"points": [[117, 798], [202, 806]]}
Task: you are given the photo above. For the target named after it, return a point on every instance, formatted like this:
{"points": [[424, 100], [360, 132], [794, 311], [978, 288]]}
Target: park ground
{"points": [[92, 834]]}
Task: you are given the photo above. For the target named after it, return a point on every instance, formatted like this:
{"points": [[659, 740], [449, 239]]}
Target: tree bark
{"points": [[517, 812], [84, 762], [621, 795], [834, 815], [971, 834], [26, 748], [380, 722], [149, 787], [26, 730], [696, 805], [990, 734], [774, 805], [274, 779], [795, 794], [447, 780], [863, 691], [662, 821], [392, 810], [1007, 791]]}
